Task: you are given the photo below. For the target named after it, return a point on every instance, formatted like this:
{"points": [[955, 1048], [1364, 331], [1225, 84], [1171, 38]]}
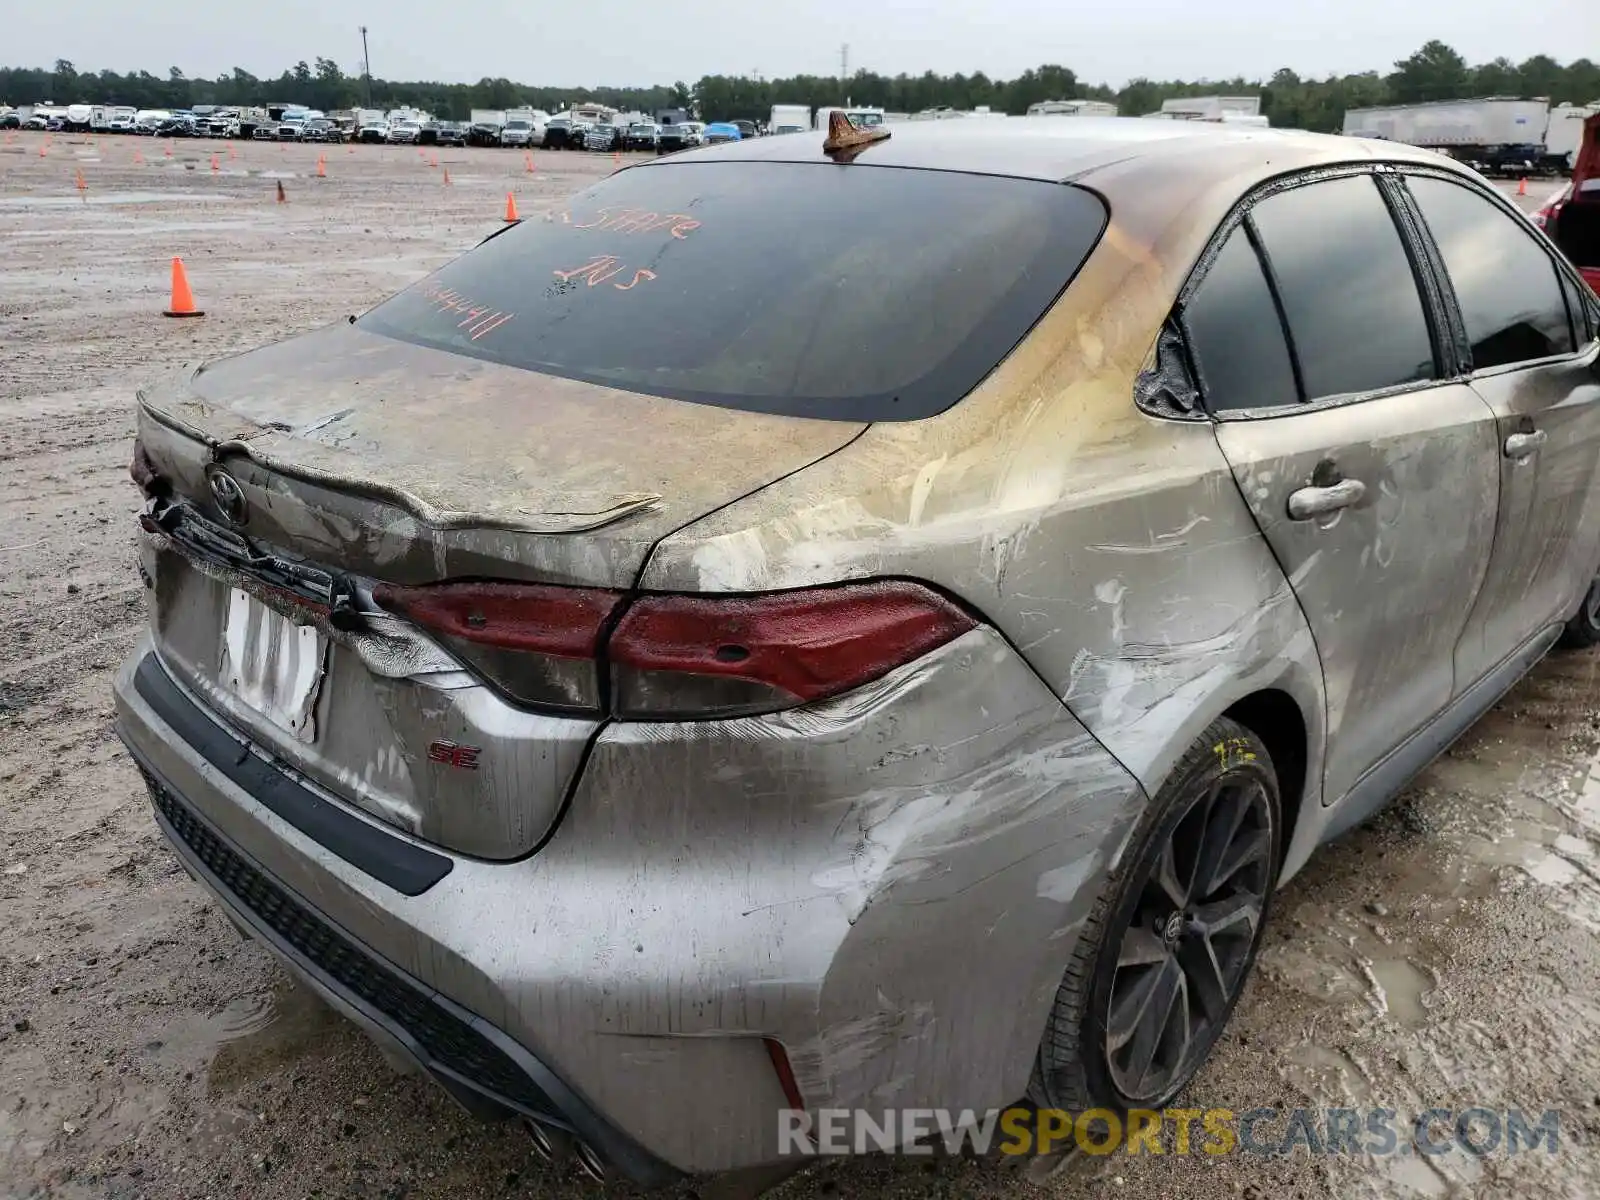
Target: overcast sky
{"points": [[623, 42]]}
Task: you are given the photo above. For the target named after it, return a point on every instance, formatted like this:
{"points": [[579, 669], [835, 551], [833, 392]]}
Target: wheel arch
{"points": [[1274, 716]]}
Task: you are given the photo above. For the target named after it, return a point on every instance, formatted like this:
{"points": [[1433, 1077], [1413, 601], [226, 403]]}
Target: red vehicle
{"points": [[1572, 218]]}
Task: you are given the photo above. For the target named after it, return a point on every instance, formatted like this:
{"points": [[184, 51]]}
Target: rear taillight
{"points": [[537, 643], [696, 656], [677, 656]]}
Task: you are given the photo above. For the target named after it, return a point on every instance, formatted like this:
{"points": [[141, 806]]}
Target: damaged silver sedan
{"points": [[857, 625]]}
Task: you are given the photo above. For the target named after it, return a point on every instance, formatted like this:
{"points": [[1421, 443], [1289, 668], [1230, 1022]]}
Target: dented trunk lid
{"points": [[377, 461]]}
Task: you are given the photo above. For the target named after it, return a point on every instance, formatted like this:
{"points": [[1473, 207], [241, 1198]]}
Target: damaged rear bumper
{"points": [[889, 884]]}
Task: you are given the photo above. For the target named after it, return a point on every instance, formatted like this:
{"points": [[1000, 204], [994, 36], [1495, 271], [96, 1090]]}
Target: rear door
{"points": [[1373, 476], [1526, 342]]}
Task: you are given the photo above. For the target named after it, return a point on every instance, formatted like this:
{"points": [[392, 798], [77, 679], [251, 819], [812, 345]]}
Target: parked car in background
{"points": [[177, 127], [982, 612], [10, 120], [602, 135], [321, 129], [483, 133], [747, 129], [373, 131], [558, 134], [121, 123], [517, 132], [641, 135], [404, 132], [451, 133], [722, 131], [679, 136]]}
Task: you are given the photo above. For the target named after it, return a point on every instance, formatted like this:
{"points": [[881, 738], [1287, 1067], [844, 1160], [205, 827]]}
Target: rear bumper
{"points": [[889, 884]]}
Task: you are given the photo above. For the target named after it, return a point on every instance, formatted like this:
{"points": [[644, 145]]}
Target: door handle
{"points": [[1311, 502], [1524, 445]]}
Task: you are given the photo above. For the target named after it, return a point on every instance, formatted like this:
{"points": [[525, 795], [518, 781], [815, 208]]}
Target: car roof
{"points": [[1142, 152]]}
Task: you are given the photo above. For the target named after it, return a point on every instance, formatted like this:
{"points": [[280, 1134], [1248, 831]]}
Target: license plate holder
{"points": [[272, 664]]}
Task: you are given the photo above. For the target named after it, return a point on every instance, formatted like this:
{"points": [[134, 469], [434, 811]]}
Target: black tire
{"points": [[1583, 630], [1078, 1068]]}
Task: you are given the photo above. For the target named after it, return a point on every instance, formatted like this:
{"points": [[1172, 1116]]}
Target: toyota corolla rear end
{"points": [[643, 866]]}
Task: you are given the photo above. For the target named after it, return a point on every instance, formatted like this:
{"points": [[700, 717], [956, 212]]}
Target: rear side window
{"points": [[852, 292], [1505, 283], [1356, 318], [1581, 313], [1235, 333]]}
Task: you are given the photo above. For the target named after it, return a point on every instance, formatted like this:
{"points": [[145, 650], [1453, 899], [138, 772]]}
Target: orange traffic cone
{"points": [[282, 199], [322, 166], [138, 159], [529, 158], [511, 208], [169, 149], [182, 304], [434, 161], [215, 166], [616, 157], [83, 184], [1522, 188], [44, 149], [447, 177], [232, 153]]}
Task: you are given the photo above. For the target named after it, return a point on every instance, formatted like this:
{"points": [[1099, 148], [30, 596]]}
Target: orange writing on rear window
{"points": [[477, 319], [602, 269], [612, 219]]}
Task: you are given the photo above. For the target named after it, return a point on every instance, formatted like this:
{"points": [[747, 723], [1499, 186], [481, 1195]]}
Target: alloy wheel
{"points": [[1183, 956]]}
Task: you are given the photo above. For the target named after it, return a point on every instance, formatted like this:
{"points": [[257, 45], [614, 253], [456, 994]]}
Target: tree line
{"points": [[1434, 72]]}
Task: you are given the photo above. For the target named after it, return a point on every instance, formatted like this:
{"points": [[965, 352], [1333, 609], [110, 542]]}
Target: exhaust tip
{"points": [[542, 1145], [589, 1161]]}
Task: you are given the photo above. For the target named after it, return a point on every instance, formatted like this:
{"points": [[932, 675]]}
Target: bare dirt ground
{"points": [[1444, 956]]}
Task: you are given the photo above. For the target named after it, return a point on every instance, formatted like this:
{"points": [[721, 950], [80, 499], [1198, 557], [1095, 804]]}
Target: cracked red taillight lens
{"points": [[702, 656], [678, 656]]}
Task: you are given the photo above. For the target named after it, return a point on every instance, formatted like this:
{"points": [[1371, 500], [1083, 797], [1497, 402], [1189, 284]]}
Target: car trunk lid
{"points": [[361, 460]]}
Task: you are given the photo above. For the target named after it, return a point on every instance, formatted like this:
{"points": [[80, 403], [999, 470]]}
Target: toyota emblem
{"points": [[229, 496]]}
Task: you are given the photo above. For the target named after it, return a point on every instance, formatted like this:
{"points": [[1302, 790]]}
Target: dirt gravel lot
{"points": [[1444, 956]]}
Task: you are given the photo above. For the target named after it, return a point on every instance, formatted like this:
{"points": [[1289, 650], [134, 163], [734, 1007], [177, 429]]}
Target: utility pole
{"points": [[366, 65], [844, 70]]}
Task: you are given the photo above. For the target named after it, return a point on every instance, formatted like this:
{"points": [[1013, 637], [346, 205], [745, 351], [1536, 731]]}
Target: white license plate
{"points": [[272, 664]]}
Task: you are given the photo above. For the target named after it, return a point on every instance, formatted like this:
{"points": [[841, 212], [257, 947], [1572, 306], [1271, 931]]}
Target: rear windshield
{"points": [[847, 292]]}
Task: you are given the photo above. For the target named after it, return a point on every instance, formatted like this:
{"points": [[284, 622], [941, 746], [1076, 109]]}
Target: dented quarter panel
{"points": [[1111, 547], [805, 876]]}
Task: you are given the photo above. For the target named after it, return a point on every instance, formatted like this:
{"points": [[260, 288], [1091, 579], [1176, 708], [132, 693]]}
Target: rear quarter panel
{"points": [[1110, 547]]}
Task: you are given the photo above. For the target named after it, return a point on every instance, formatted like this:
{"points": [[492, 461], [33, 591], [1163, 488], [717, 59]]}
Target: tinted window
{"points": [[1582, 323], [856, 293], [1349, 294], [1505, 282], [1235, 333]]}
